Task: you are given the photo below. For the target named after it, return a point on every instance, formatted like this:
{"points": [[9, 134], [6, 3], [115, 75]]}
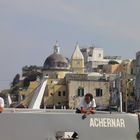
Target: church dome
{"points": [[56, 60]]}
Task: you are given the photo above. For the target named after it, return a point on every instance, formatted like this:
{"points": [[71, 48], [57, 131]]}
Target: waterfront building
{"points": [[68, 81], [80, 84], [137, 79], [127, 84]]}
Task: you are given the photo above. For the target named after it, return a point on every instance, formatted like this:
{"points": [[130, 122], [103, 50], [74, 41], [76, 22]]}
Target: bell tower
{"points": [[77, 61]]}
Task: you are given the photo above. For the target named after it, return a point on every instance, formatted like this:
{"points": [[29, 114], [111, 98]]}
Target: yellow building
{"points": [[55, 93], [56, 67]]}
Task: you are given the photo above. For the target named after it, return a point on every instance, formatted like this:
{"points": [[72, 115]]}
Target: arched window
{"points": [[80, 92]]}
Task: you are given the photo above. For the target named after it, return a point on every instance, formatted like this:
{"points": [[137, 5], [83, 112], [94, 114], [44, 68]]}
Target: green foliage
{"points": [[14, 90], [30, 68], [113, 62], [32, 72], [15, 80], [32, 76], [26, 82], [4, 93]]}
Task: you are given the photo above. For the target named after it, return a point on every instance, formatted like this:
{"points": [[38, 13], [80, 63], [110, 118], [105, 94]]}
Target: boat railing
{"points": [[46, 111], [27, 110]]}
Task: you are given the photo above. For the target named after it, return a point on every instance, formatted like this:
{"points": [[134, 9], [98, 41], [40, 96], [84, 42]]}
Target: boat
{"points": [[34, 123], [64, 124]]}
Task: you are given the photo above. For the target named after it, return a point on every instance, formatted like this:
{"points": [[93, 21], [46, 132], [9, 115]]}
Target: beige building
{"points": [[78, 87], [112, 69]]}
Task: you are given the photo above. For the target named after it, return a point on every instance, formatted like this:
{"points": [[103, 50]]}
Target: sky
{"points": [[30, 28]]}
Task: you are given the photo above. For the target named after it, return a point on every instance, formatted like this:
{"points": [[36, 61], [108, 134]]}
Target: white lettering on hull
{"points": [[107, 122]]}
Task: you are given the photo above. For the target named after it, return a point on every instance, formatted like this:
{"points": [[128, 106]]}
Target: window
{"points": [[138, 60], [99, 55], [80, 92], [64, 93], [99, 92], [59, 93], [132, 94], [23, 97]]}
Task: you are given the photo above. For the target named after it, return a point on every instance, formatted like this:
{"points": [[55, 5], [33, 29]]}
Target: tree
{"points": [[26, 82], [113, 62], [15, 90], [32, 72], [32, 76], [15, 80]]}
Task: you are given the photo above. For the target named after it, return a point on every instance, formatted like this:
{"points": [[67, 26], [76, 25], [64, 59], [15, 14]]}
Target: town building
{"points": [[127, 83], [80, 84], [137, 93], [111, 68], [94, 57]]}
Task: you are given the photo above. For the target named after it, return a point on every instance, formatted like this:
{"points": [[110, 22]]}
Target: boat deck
{"points": [[47, 124]]}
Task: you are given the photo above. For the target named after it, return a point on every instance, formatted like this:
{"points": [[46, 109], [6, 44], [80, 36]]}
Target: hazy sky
{"points": [[29, 29]]}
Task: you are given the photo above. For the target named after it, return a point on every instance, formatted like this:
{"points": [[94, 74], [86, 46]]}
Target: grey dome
{"points": [[56, 61]]}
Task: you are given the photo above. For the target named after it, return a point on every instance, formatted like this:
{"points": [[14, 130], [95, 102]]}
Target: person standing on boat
{"points": [[87, 105], [1, 104]]}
